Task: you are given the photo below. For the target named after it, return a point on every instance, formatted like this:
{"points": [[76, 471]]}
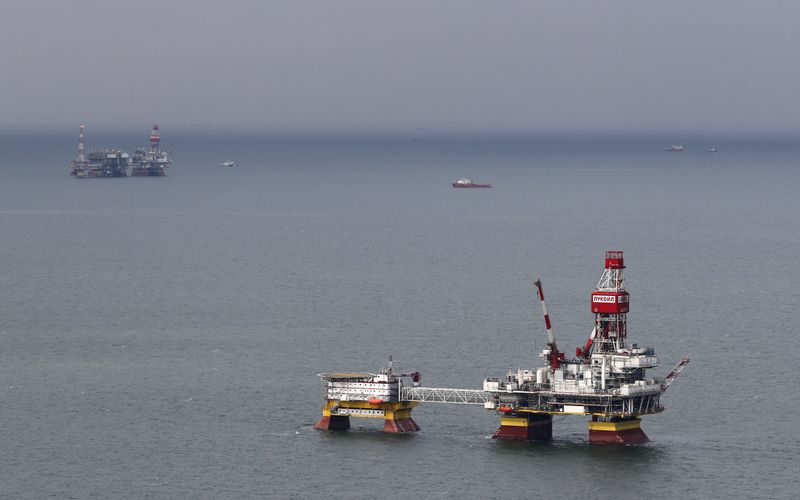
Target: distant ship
{"points": [[711, 150], [467, 183], [675, 148], [150, 163], [229, 163], [99, 162]]}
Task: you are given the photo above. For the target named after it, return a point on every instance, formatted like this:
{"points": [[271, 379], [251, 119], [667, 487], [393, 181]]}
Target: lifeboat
{"points": [[374, 400], [505, 409]]}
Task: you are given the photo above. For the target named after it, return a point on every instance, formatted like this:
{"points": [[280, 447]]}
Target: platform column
{"points": [[398, 418], [330, 422], [525, 427], [624, 431]]}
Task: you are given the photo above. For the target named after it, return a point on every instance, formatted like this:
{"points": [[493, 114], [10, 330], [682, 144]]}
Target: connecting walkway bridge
{"points": [[444, 395]]}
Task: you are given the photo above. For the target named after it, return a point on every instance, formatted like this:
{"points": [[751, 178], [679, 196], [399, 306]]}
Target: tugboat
{"points": [[467, 183]]}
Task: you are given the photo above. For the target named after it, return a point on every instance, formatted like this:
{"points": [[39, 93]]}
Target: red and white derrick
{"points": [[155, 138], [610, 305]]}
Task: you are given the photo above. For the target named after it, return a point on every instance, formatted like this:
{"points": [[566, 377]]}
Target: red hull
{"points": [[538, 428], [628, 436], [618, 432], [400, 426], [511, 432], [333, 423]]}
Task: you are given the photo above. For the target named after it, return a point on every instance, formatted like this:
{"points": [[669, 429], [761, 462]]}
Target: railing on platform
{"points": [[444, 395]]}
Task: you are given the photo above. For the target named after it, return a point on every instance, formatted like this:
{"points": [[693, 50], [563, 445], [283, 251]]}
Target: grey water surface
{"points": [[160, 337]]}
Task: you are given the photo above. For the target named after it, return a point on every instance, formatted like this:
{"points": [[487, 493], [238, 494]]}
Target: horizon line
{"points": [[675, 135]]}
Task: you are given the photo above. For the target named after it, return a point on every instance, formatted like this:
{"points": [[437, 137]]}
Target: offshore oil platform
{"points": [[99, 162], [606, 380], [151, 163], [115, 163]]}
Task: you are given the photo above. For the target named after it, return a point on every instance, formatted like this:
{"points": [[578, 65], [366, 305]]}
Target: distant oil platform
{"points": [[117, 163], [605, 380]]}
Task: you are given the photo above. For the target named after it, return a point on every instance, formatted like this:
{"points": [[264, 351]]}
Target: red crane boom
{"points": [[554, 355]]}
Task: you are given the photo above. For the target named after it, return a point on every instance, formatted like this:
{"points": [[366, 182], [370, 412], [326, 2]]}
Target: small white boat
{"points": [[712, 150], [467, 183], [229, 163], [675, 148]]}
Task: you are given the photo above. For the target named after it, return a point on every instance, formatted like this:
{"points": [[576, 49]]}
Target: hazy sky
{"points": [[498, 65]]}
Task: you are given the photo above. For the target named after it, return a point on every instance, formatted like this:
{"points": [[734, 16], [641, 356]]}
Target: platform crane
{"points": [[554, 355]]}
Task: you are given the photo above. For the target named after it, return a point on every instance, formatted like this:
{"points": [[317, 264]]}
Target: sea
{"points": [[161, 337]]}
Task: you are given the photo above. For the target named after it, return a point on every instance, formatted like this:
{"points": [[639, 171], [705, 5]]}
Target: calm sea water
{"points": [[160, 338]]}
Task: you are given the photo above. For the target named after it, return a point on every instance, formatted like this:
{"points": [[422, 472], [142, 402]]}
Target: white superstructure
{"points": [[355, 386]]}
